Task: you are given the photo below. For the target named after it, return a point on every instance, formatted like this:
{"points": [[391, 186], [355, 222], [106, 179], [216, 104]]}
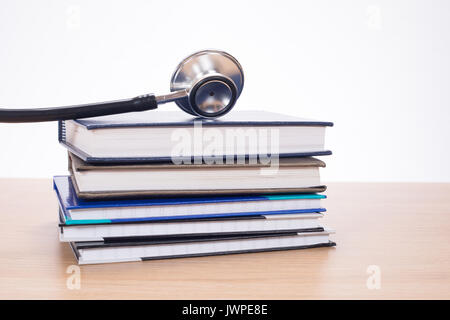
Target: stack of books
{"points": [[157, 185]]}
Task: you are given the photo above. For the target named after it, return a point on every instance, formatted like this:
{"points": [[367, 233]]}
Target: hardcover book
{"points": [[165, 136], [92, 252], [291, 175], [76, 211]]}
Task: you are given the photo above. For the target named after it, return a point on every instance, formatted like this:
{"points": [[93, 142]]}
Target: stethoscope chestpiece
{"points": [[212, 96], [213, 81]]}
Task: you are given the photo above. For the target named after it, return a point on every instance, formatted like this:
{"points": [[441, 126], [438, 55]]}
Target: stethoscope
{"points": [[205, 84]]}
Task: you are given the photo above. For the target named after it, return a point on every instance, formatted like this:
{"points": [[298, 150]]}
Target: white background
{"points": [[380, 70]]}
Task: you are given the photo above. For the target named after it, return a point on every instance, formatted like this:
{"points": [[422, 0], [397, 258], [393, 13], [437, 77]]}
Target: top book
{"points": [[177, 137]]}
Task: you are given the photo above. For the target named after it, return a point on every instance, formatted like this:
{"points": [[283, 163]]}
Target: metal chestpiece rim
{"points": [[213, 80]]}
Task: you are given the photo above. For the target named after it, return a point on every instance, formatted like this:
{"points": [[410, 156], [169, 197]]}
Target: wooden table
{"points": [[401, 229]]}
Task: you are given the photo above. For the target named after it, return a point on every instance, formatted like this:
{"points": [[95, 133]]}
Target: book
{"points": [[164, 136], [76, 211], [94, 252], [160, 185], [291, 175], [188, 227]]}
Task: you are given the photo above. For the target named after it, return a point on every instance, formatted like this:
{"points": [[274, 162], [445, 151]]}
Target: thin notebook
{"points": [[169, 228], [165, 136]]}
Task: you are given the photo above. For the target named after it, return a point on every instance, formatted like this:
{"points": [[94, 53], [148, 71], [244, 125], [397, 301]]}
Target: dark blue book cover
{"points": [[161, 119]]}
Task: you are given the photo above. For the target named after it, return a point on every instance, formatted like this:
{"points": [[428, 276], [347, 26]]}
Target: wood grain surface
{"points": [[401, 229]]}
